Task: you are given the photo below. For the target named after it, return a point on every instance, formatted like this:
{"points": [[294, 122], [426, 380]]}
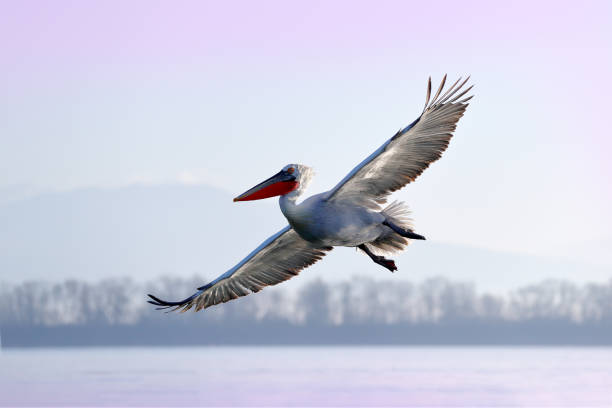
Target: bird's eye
{"points": [[290, 169]]}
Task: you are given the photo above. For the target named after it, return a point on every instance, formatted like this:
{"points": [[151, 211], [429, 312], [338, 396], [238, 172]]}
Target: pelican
{"points": [[351, 214]]}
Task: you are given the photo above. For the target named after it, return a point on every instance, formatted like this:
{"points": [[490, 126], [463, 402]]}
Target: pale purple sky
{"points": [[104, 93]]}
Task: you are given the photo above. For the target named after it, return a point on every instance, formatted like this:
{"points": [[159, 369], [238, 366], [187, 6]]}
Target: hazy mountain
{"points": [[145, 231]]}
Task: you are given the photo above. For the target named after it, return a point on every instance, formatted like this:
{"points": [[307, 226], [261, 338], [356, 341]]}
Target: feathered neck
{"points": [[288, 202]]}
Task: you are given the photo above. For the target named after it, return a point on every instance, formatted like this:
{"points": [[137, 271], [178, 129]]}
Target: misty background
{"points": [[60, 243], [127, 128]]}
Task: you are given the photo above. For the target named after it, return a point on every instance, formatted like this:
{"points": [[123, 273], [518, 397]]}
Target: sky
{"points": [[109, 94]]}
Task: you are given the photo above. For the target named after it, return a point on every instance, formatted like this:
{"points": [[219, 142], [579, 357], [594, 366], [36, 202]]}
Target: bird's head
{"points": [[291, 178]]}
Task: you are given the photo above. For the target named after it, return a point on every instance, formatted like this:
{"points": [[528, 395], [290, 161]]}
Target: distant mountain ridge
{"points": [[146, 231]]}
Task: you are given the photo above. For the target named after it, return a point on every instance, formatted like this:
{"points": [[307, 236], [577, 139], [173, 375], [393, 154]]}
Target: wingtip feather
{"points": [[461, 94], [435, 98], [428, 93]]}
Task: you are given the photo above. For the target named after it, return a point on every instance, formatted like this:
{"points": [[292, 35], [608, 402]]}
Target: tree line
{"points": [[359, 301]]}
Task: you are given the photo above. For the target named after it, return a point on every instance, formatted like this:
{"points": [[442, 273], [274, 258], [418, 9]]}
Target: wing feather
{"points": [[280, 257], [435, 98], [401, 159]]}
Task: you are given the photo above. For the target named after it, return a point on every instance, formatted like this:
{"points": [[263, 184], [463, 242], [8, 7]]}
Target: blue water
{"points": [[307, 376]]}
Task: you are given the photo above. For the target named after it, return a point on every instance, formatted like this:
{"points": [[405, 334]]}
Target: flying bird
{"points": [[351, 214]]}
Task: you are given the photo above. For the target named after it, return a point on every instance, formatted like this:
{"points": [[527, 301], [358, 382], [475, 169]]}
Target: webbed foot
{"points": [[387, 263], [380, 260]]}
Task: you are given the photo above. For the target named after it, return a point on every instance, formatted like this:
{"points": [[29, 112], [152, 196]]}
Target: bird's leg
{"points": [[381, 260], [406, 233]]}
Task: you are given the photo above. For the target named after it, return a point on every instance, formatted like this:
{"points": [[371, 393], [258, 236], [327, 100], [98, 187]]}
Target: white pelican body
{"points": [[329, 224], [350, 214]]}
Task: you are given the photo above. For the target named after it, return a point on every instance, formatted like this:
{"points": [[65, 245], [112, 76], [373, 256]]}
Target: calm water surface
{"points": [[307, 376]]}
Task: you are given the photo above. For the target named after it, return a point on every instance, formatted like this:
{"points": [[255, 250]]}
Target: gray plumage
{"points": [[280, 257], [401, 159]]}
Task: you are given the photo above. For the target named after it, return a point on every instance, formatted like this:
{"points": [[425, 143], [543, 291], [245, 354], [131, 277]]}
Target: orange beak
{"points": [[279, 184]]}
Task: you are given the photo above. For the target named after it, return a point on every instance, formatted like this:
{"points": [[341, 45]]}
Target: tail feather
{"points": [[399, 214]]}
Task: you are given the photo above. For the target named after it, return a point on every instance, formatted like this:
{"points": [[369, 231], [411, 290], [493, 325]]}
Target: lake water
{"points": [[307, 376]]}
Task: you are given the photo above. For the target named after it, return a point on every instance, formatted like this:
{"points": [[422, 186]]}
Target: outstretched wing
{"points": [[277, 259], [401, 159]]}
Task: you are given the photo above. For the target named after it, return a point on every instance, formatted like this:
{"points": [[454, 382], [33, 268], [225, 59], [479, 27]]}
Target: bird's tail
{"points": [[398, 214]]}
